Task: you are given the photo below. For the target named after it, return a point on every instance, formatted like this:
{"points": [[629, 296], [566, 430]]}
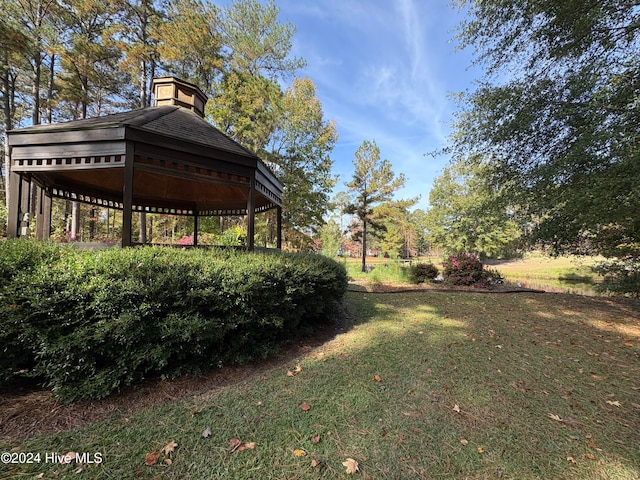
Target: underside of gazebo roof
{"points": [[164, 159]]}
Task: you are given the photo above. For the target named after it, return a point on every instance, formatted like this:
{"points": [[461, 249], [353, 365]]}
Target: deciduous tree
{"points": [[560, 111], [468, 214]]}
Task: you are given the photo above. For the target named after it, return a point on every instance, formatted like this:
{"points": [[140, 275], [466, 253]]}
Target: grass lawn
{"points": [[422, 386], [568, 274]]}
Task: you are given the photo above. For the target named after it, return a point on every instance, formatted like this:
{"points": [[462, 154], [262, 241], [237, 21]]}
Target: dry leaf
{"points": [[314, 462], [247, 446], [315, 439], [151, 458], [168, 461], [351, 465], [298, 452], [305, 407], [68, 458], [456, 408], [571, 460], [377, 378], [615, 403], [234, 443], [169, 448], [464, 441], [78, 470], [480, 450], [554, 417], [635, 405], [295, 371], [590, 456], [207, 433], [40, 475]]}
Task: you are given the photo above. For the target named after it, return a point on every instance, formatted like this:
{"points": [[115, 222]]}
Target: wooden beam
{"points": [[279, 227], [251, 213], [127, 196]]}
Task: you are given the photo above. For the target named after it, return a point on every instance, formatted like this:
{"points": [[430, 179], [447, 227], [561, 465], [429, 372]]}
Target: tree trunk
{"points": [[364, 245], [6, 108], [52, 74]]}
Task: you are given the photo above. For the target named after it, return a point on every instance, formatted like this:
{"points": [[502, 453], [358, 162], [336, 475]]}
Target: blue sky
{"points": [[384, 71]]}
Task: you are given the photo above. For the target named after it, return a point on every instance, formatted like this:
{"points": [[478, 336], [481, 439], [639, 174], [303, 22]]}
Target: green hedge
{"points": [[90, 322]]}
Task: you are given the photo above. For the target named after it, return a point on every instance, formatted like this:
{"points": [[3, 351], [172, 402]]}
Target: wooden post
{"points": [[24, 208], [43, 219], [279, 227], [195, 228], [13, 222], [251, 212], [127, 195]]}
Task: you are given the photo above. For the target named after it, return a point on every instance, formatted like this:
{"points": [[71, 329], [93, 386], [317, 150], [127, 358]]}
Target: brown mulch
{"points": [[28, 412]]}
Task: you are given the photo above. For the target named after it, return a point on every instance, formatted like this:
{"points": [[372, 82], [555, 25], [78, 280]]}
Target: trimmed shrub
{"points": [[467, 270], [92, 322], [424, 272], [462, 269]]}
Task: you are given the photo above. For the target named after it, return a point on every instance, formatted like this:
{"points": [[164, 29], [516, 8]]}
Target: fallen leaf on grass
{"points": [[294, 372], [168, 461], [238, 446], [314, 463], [456, 408], [480, 450], [590, 456], [68, 458], [635, 405], [571, 460], [377, 378], [315, 439], [614, 403], [555, 417], [151, 458], [207, 433], [464, 441], [305, 407], [169, 448], [298, 452], [351, 466]]}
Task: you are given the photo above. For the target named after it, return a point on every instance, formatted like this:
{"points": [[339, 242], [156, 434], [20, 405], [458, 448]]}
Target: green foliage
{"points": [[562, 123], [257, 43], [424, 272], [3, 215], [468, 213], [621, 277], [92, 322], [373, 183], [331, 237], [299, 153]]}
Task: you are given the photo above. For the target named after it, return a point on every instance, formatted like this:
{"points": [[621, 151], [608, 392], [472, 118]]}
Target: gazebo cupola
{"points": [[160, 159], [173, 91]]}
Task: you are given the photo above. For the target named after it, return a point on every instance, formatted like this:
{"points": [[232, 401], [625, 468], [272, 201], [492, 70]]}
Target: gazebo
{"points": [[161, 159]]}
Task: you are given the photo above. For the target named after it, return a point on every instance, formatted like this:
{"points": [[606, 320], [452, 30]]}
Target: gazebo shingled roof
{"points": [[163, 159]]}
